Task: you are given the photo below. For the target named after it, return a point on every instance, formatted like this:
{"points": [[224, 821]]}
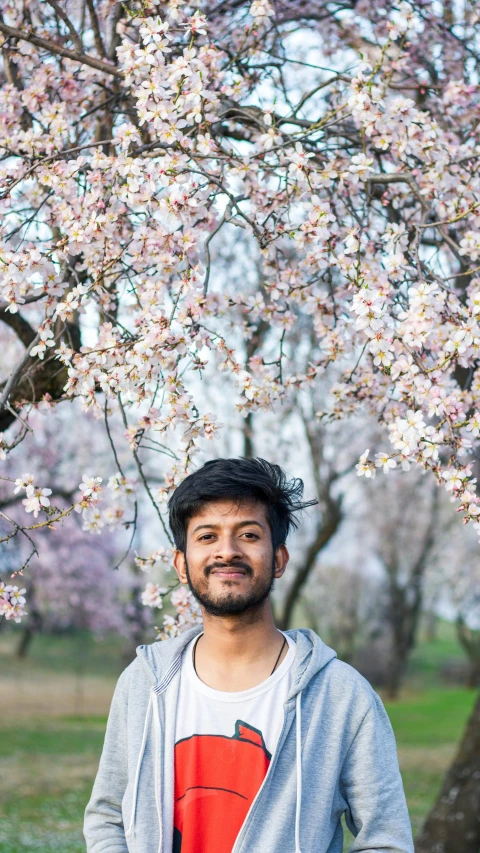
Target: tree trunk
{"points": [[248, 436], [406, 606], [396, 671], [453, 825], [33, 626], [26, 638], [431, 625], [404, 617], [473, 678], [326, 529], [397, 620], [470, 640], [136, 620]]}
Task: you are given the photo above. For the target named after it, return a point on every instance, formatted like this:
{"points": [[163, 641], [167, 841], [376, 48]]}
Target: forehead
{"points": [[228, 513]]}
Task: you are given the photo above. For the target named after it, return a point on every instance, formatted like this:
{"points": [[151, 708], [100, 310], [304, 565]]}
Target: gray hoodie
{"points": [[336, 755]]}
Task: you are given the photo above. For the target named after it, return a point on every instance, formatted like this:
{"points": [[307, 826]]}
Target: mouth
{"points": [[229, 573]]}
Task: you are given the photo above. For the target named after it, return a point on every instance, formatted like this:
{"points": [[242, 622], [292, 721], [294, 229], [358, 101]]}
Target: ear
{"points": [[180, 567], [281, 560]]}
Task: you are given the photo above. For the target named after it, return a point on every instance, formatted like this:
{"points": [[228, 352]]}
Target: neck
{"points": [[240, 639]]}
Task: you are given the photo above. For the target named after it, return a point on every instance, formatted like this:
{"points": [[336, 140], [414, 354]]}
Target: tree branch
{"points": [[24, 331], [15, 374], [96, 29], [52, 47]]}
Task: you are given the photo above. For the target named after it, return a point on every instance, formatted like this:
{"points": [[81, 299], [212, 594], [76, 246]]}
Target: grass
{"points": [[47, 773], [432, 718], [48, 758]]}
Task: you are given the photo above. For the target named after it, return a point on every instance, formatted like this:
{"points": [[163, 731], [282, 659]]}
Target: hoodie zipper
{"points": [[268, 773]]}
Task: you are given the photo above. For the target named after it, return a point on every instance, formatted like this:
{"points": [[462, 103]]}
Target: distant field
{"points": [[49, 749], [62, 676]]}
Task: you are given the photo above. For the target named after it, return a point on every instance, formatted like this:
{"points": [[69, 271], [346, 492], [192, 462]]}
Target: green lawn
{"points": [[46, 778], [47, 764]]}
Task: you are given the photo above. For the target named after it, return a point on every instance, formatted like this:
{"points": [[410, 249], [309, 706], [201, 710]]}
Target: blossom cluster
{"points": [[161, 556], [152, 596], [12, 600], [348, 203], [37, 498], [188, 614]]}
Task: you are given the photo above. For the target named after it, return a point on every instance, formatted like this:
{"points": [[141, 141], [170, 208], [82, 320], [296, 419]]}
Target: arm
{"points": [[103, 826], [377, 811]]}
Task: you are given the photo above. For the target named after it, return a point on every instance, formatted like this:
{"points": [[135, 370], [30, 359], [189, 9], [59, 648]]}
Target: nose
{"points": [[228, 549]]}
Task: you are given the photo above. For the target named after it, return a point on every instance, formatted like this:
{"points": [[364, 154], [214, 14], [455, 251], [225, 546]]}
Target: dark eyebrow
{"points": [[216, 526]]}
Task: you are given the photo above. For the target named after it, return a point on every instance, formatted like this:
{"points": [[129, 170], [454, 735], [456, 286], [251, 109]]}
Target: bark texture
{"points": [[453, 825]]}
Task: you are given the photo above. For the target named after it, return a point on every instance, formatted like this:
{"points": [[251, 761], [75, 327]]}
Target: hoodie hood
{"points": [[162, 660]]}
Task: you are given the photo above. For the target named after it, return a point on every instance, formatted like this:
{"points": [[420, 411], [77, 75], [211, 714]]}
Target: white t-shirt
{"points": [[223, 746]]}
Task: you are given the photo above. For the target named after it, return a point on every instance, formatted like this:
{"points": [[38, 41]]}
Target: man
{"points": [[236, 737]]}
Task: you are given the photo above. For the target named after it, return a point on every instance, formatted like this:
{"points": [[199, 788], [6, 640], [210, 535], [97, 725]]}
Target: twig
{"points": [[207, 245], [112, 445], [17, 416], [66, 20], [134, 523], [144, 479], [18, 529]]}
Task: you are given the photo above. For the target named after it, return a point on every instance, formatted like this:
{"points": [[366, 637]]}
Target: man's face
{"points": [[229, 562]]}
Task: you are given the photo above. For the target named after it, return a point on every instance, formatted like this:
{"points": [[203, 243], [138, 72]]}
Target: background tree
{"points": [[344, 605], [405, 509]]}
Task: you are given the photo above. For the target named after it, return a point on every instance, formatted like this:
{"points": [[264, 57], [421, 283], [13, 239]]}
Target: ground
{"points": [[53, 708]]}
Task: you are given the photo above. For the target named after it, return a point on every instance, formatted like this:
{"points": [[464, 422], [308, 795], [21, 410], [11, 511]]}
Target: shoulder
{"points": [[344, 685], [132, 677], [156, 661], [349, 677]]}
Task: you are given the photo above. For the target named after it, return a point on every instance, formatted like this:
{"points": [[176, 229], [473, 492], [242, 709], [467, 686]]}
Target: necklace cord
{"points": [[279, 656], [193, 655], [273, 670]]}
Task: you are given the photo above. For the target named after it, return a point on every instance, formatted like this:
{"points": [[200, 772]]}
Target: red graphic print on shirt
{"points": [[216, 780]]}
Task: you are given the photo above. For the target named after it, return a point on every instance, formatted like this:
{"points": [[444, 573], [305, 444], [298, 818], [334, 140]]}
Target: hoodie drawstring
{"points": [[156, 732], [298, 724], [152, 702], [139, 764]]}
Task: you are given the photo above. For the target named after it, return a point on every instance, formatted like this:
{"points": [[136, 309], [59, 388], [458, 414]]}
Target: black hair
{"points": [[238, 479]]}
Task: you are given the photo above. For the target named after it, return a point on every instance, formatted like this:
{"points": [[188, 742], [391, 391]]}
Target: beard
{"points": [[232, 603]]}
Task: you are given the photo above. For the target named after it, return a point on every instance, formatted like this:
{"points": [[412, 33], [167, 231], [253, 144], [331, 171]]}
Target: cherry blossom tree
{"points": [[341, 139], [133, 135]]}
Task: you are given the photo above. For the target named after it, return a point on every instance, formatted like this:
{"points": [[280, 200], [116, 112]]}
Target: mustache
{"points": [[240, 564]]}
